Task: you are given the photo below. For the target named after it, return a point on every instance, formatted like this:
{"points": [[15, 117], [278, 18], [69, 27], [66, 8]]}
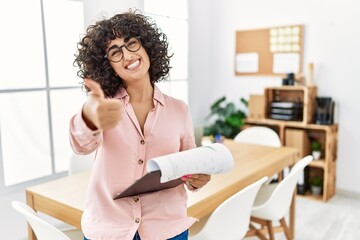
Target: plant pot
{"points": [[316, 190], [316, 155]]}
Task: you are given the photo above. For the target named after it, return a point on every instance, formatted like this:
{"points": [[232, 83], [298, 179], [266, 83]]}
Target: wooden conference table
{"points": [[64, 198]]}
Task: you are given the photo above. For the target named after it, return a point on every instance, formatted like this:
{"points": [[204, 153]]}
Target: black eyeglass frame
{"points": [[121, 47]]}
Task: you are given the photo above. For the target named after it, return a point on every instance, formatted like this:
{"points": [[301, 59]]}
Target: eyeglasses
{"points": [[116, 54]]}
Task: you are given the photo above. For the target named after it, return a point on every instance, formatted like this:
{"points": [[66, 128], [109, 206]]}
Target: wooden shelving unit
{"points": [[304, 95], [302, 132]]}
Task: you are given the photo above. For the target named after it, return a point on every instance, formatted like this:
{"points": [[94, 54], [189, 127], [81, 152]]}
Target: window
{"points": [[39, 88], [172, 18]]}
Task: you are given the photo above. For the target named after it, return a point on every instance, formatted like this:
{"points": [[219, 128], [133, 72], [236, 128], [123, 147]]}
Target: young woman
{"points": [[127, 120]]}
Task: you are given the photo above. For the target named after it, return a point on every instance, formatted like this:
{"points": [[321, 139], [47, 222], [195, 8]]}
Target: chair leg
{"points": [[266, 226], [286, 229], [270, 229], [255, 232], [252, 231]]}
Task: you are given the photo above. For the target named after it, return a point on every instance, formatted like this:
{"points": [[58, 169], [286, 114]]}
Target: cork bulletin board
{"points": [[271, 51]]}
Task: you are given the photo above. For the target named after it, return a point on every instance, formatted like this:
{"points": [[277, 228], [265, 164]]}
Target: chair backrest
{"points": [[42, 229], [80, 163], [279, 201], [231, 219], [259, 135]]}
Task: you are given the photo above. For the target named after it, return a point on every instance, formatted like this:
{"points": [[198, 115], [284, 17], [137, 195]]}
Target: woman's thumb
{"points": [[94, 87]]}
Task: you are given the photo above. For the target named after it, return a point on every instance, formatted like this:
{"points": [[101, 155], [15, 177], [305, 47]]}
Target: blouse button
{"points": [[137, 220], [136, 199], [142, 142], [140, 161]]}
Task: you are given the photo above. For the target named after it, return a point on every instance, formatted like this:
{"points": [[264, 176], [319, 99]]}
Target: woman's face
{"points": [[134, 64]]}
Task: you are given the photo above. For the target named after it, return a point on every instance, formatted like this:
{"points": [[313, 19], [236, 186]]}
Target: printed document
{"points": [[211, 159]]}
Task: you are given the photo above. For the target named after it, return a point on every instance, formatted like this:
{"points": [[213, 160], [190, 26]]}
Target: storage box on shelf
{"points": [[300, 134], [290, 103]]}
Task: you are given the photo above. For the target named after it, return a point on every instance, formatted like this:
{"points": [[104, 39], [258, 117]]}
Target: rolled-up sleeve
{"points": [[83, 140]]}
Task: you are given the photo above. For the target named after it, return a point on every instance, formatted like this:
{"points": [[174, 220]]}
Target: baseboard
{"points": [[347, 193]]}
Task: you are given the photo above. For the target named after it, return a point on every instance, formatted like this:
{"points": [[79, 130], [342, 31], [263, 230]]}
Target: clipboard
{"points": [[150, 182]]}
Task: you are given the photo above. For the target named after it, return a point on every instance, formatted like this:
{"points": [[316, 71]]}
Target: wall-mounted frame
{"points": [[271, 51]]}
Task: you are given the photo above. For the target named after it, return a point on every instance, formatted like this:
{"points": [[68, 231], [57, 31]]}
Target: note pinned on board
{"points": [[286, 63], [247, 62]]}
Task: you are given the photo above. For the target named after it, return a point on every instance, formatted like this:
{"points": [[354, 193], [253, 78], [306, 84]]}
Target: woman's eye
{"points": [[131, 43], [115, 52]]}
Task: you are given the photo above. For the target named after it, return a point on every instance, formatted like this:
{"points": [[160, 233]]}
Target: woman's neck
{"points": [[140, 92]]}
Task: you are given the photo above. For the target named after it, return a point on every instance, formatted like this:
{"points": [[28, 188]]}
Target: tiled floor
{"points": [[338, 219]]}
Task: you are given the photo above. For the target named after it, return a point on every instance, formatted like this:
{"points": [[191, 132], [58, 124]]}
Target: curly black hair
{"points": [[92, 49]]}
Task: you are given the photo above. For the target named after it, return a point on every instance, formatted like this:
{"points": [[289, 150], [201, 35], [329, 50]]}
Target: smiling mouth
{"points": [[133, 65]]}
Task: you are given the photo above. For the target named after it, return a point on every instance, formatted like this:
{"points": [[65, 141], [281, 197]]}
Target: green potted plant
{"points": [[226, 118], [316, 184], [316, 149]]}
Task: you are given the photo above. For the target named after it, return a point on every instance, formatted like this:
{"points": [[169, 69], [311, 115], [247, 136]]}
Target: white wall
{"points": [[200, 59], [332, 42], [95, 10]]}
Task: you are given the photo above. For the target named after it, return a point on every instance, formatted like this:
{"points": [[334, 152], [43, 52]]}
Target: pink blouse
{"points": [[122, 154]]}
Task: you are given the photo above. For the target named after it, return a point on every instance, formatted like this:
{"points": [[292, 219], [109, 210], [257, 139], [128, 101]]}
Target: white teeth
{"points": [[133, 65]]}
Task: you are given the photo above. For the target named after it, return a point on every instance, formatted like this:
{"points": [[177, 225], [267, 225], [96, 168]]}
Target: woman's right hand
{"points": [[98, 112]]}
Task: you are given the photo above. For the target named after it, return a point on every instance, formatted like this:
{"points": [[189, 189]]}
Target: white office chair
{"points": [[262, 136], [273, 202], [231, 219], [79, 163], [42, 229], [259, 135]]}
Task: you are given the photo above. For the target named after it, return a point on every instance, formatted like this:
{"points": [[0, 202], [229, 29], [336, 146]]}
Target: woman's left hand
{"points": [[196, 181]]}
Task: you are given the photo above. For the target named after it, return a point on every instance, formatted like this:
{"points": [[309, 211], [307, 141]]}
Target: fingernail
{"points": [[183, 178]]}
